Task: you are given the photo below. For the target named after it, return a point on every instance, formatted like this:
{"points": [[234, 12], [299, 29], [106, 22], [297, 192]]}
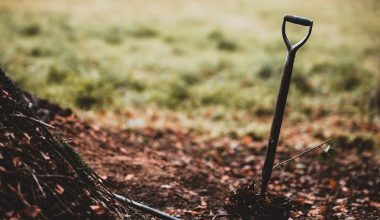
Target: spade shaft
{"points": [[282, 96]]}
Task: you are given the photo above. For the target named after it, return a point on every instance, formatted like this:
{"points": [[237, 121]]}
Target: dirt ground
{"points": [[188, 176]]}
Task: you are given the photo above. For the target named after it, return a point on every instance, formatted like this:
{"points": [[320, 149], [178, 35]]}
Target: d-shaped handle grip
{"points": [[300, 21]]}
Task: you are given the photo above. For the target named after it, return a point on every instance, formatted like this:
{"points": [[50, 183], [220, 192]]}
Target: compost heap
{"points": [[40, 175]]}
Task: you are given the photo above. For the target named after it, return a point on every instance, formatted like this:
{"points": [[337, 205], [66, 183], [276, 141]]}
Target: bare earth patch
{"points": [[173, 170]]}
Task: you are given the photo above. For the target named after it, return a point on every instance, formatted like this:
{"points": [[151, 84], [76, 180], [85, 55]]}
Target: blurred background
{"points": [[213, 64]]}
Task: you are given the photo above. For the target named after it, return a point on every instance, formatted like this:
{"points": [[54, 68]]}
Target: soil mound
{"points": [[41, 176]]}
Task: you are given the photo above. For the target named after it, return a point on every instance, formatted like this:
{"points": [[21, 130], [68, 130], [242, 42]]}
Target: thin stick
{"points": [[293, 158], [33, 119], [299, 155], [144, 208], [36, 180], [56, 176], [221, 216]]}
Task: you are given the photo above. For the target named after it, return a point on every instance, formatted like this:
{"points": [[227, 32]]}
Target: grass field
{"points": [[216, 62]]}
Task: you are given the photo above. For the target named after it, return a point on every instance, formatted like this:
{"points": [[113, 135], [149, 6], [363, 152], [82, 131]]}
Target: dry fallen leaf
{"points": [[332, 184], [31, 211], [375, 204], [2, 169], [16, 161], [26, 138], [98, 209], [318, 211], [59, 189], [247, 140], [129, 177], [166, 186], [45, 156]]}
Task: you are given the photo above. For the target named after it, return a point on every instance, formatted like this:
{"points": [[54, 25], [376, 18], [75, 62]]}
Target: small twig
{"points": [[300, 155], [144, 208], [33, 119], [36, 180], [220, 216], [55, 176], [58, 199], [17, 191], [293, 158]]}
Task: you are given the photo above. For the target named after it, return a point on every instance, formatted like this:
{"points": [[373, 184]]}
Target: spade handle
{"points": [[282, 96]]}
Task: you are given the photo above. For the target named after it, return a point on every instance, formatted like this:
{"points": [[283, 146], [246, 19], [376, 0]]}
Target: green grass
{"points": [[195, 56]]}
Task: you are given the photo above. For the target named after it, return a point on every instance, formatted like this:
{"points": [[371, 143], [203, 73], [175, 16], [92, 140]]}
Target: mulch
{"points": [[41, 176], [189, 176]]}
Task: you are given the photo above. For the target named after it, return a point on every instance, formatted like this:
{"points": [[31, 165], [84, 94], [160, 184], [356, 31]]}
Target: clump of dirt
{"points": [[247, 204], [41, 176]]}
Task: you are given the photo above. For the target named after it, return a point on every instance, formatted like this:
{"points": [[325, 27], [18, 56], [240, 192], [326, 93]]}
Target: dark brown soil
{"points": [[176, 171], [246, 203], [188, 175]]}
